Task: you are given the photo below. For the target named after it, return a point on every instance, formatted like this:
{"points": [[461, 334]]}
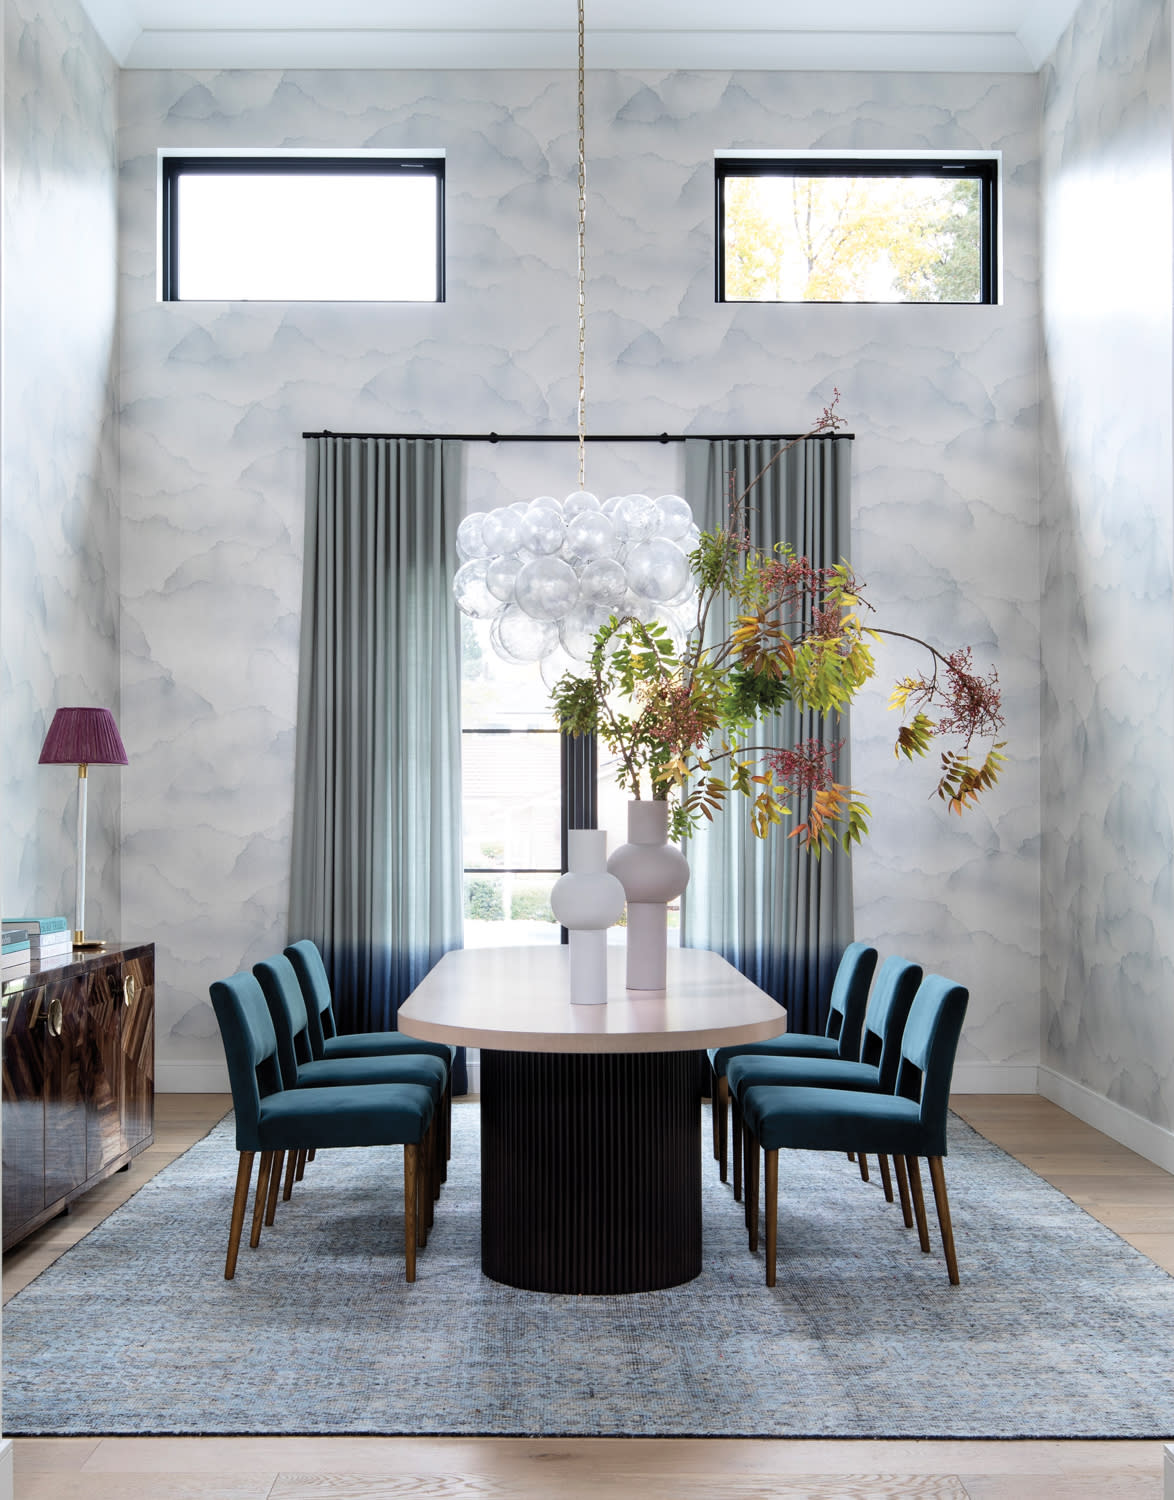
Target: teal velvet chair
{"points": [[277, 1121], [841, 1039], [325, 1041], [300, 1069], [906, 1124], [875, 1072]]}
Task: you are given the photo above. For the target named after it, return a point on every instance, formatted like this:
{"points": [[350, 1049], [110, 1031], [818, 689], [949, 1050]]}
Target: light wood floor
{"points": [[1124, 1191]]}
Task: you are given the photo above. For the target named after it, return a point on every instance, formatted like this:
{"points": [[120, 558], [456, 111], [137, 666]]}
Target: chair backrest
{"points": [[311, 971], [886, 1018], [849, 997], [250, 1049], [928, 1049], [287, 1008]]}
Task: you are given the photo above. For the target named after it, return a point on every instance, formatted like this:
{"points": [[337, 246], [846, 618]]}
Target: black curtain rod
{"points": [[621, 437]]}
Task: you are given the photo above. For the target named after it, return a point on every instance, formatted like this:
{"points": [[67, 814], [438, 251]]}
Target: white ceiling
{"points": [[1013, 36]]}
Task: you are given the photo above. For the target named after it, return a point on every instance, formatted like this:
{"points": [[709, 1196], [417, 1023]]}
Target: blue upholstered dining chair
{"points": [[875, 1072], [273, 1120], [326, 1042], [300, 1069], [841, 1039], [908, 1123]]}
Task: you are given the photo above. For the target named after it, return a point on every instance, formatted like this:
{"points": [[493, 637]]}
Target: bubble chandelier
{"points": [[548, 573]]}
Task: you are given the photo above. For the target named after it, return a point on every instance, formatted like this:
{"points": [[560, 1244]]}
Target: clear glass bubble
{"points": [[674, 516], [688, 542], [546, 588], [518, 637], [500, 577], [610, 505], [577, 632], [603, 582], [675, 626], [543, 531], [589, 535], [471, 591], [638, 607], [521, 506], [578, 502], [470, 541], [658, 569], [547, 502], [556, 665], [637, 517], [501, 531]]}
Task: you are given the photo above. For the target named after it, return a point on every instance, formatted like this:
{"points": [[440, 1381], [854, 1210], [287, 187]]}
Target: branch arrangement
{"points": [[682, 724]]}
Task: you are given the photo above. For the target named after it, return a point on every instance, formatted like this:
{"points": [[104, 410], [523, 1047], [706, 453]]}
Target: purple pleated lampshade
{"points": [[83, 737]]}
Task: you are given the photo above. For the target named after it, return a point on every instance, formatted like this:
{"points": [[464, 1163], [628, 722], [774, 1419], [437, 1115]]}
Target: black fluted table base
{"points": [[590, 1170]]}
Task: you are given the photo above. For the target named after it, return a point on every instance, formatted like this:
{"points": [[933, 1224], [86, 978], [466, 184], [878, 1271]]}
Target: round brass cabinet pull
{"points": [[55, 1016], [130, 989]]}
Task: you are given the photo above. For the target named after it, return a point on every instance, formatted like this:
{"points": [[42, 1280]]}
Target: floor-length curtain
{"points": [[779, 915], [376, 865]]}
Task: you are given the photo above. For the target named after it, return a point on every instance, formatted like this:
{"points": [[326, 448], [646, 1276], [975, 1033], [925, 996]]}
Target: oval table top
{"points": [[518, 1000]]}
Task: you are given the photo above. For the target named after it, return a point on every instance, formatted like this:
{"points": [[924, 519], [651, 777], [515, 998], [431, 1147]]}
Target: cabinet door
{"points": [[103, 1066], [65, 1086], [24, 1107], [138, 1050]]}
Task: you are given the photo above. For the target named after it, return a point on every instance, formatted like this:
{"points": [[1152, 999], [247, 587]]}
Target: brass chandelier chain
{"points": [[582, 417]]}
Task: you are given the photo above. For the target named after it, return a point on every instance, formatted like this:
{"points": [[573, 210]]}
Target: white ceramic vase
{"points": [[587, 901], [652, 872]]}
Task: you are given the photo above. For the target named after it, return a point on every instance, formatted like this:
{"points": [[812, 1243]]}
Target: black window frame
{"points": [[984, 168], [174, 165]]}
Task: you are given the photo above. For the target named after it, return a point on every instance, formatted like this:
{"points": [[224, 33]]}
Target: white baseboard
{"points": [[994, 1078], [191, 1078], [474, 1070], [6, 1480], [1152, 1141]]}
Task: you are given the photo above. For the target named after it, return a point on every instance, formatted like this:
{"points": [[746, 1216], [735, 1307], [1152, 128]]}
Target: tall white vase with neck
{"points": [[587, 901], [652, 872]]}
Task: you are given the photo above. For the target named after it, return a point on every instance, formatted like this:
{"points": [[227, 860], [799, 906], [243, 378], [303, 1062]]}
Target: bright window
{"points": [[511, 797], [312, 228], [857, 229]]}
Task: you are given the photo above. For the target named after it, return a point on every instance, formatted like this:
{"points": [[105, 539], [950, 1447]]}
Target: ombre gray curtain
{"points": [[780, 916], [376, 865]]}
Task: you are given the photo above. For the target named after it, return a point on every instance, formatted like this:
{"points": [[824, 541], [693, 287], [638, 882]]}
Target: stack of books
{"points": [[37, 939], [14, 953]]}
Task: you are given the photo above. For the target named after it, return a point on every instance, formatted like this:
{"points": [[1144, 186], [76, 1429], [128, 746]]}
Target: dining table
{"points": [[591, 1155]]}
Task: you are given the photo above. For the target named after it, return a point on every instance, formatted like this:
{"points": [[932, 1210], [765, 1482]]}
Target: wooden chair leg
{"points": [[721, 1117], [938, 1176], [886, 1177], [713, 1082], [772, 1214], [751, 1185], [411, 1203], [244, 1172], [311, 1154], [737, 1147], [918, 1202], [851, 1156], [301, 1169], [863, 1160], [262, 1193], [274, 1185], [291, 1167], [903, 1189]]}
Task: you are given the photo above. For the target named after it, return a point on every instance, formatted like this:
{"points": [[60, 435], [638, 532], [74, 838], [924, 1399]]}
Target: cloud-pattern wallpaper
{"points": [[1108, 558], [59, 570], [943, 401]]}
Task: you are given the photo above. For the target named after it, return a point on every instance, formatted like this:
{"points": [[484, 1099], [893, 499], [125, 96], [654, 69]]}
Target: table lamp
{"points": [[82, 737]]}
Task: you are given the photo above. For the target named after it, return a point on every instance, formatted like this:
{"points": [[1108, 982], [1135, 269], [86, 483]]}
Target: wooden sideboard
{"points": [[79, 1078]]}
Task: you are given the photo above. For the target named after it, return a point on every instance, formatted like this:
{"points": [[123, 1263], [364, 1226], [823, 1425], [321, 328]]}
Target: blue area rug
{"points": [[1059, 1329]]}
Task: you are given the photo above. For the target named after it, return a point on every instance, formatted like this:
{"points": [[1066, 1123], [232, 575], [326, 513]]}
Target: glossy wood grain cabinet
{"points": [[79, 1078]]}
